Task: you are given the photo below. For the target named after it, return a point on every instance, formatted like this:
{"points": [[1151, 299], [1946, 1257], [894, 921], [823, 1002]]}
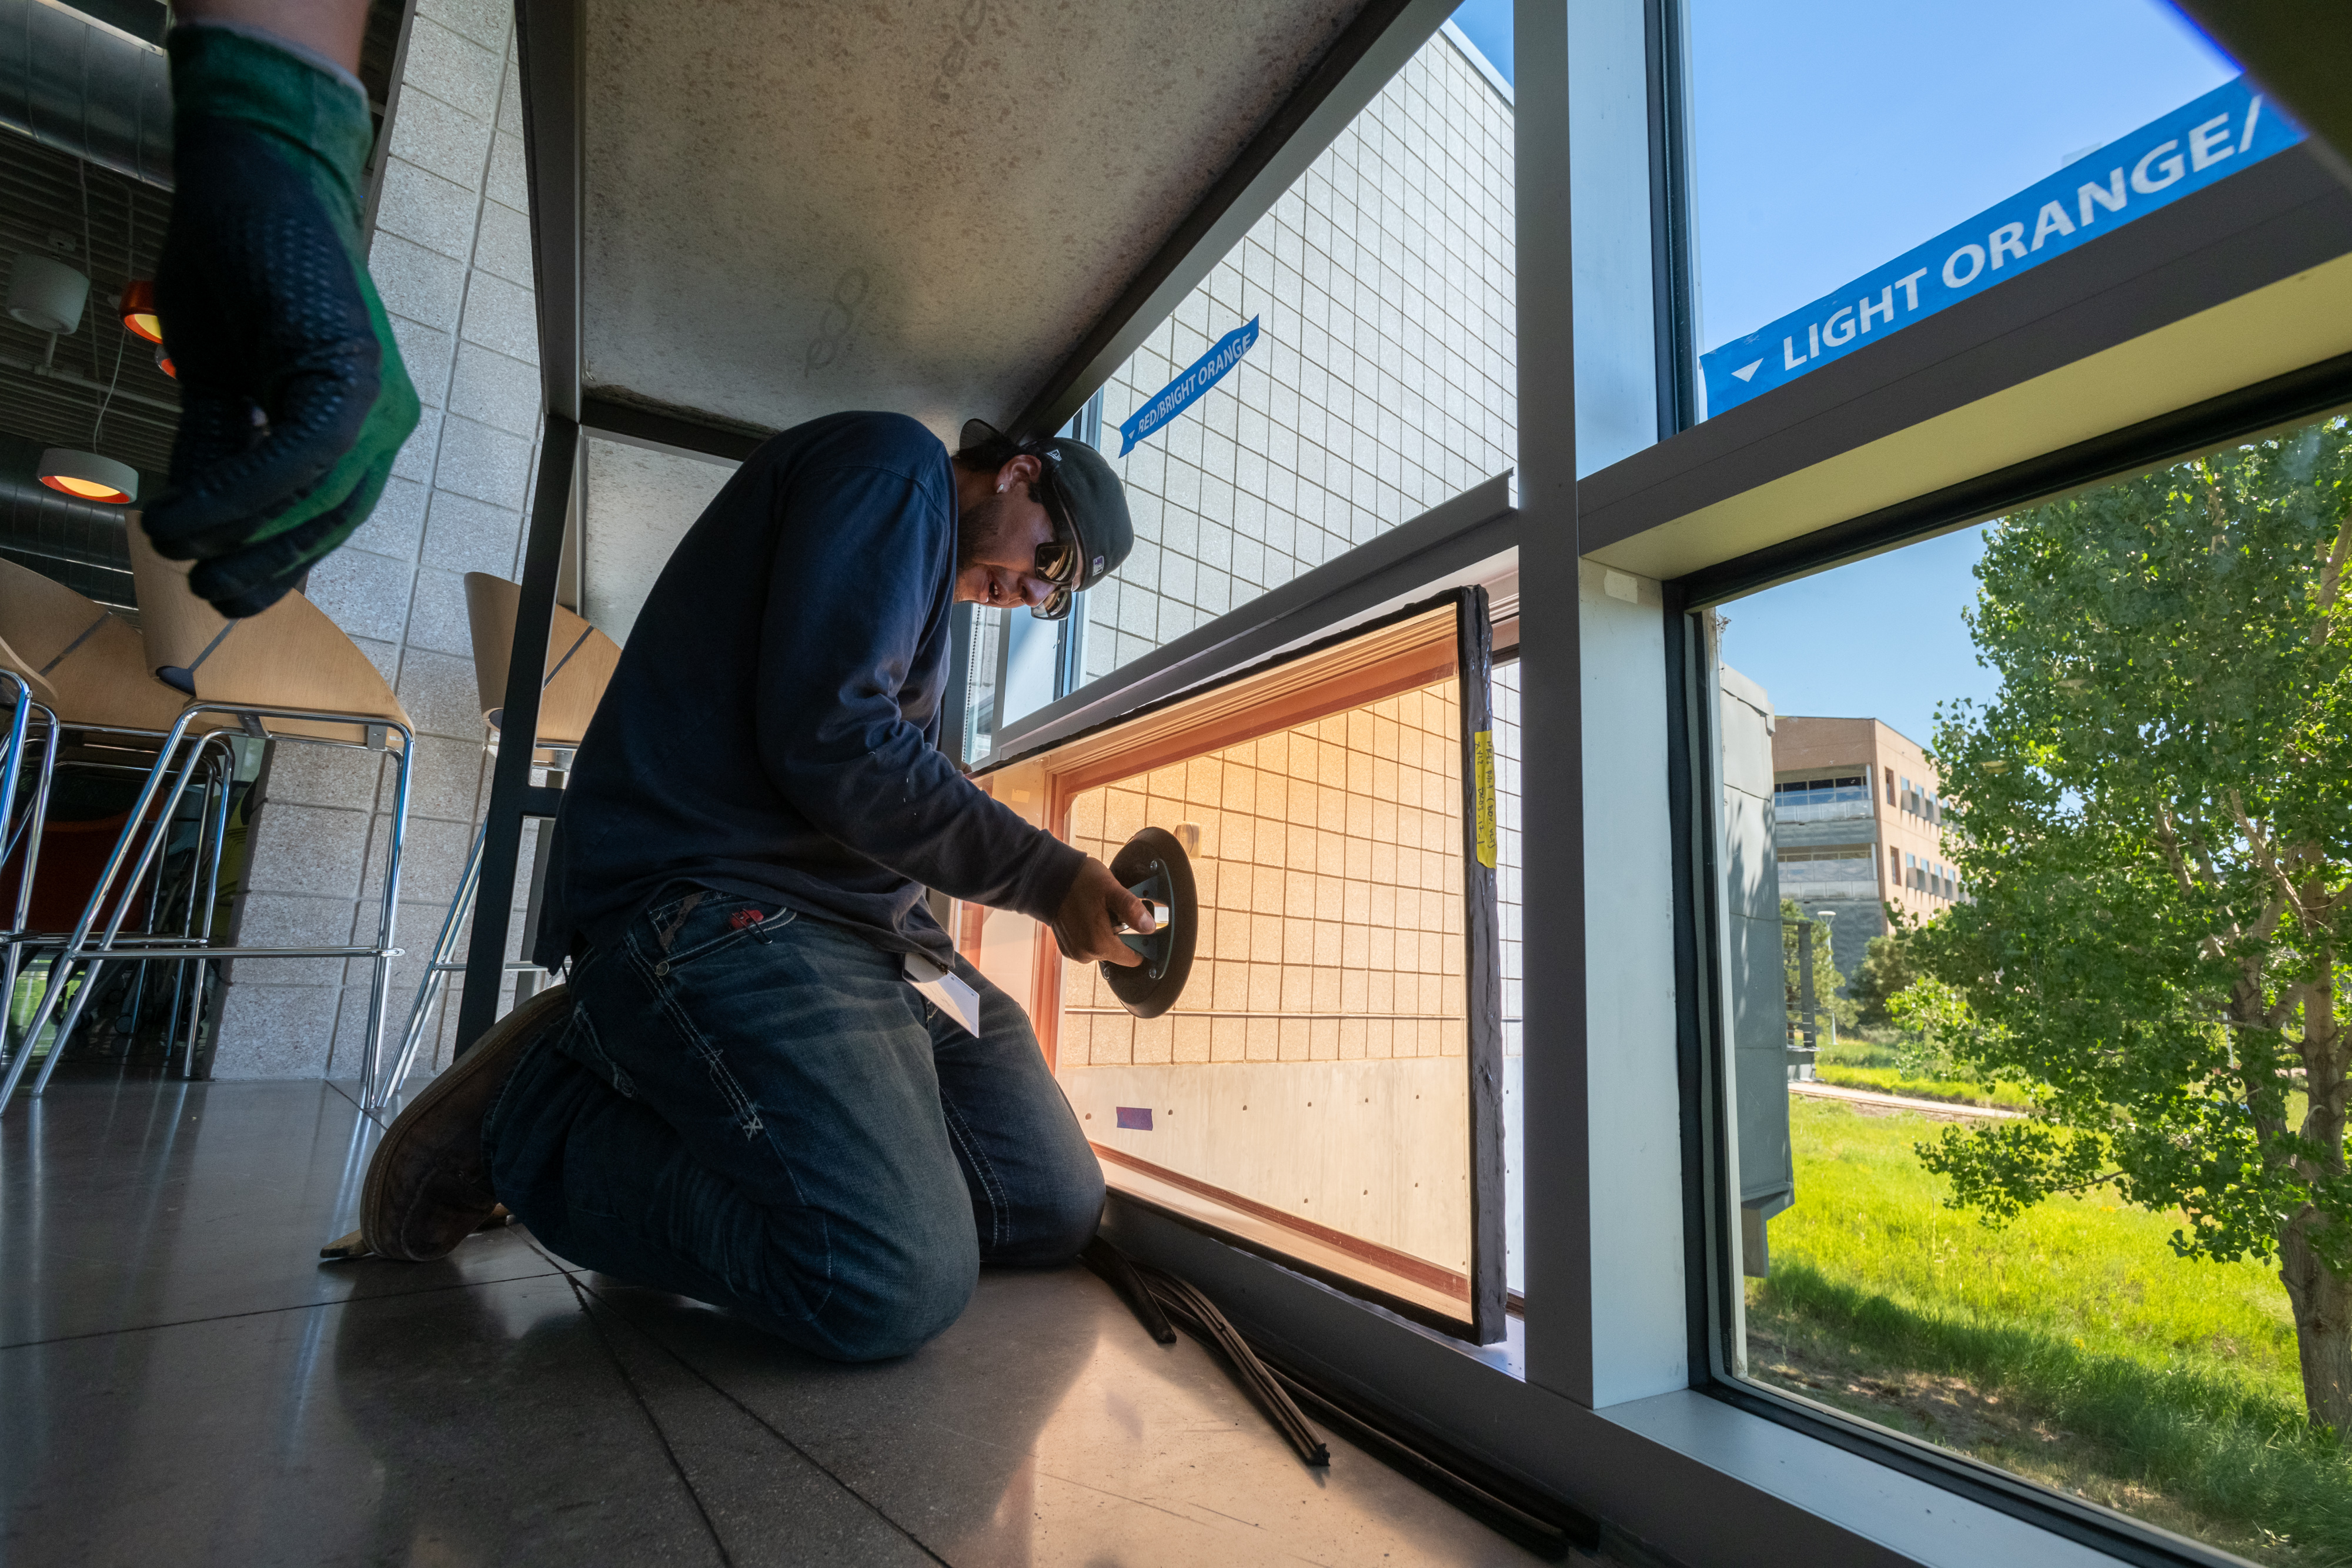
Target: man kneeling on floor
{"points": [[742, 1095]]}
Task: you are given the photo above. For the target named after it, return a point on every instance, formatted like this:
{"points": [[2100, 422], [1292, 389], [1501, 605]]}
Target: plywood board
{"points": [[1320, 1074], [1372, 1149]]}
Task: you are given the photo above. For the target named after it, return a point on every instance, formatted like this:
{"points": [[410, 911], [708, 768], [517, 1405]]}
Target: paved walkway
{"points": [[1945, 1109]]}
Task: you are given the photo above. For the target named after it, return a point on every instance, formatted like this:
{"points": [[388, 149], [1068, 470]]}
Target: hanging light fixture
{"points": [[90, 477], [46, 293], [164, 361], [138, 309]]}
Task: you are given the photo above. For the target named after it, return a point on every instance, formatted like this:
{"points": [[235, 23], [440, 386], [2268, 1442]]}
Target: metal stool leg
{"points": [[150, 857], [28, 833], [373, 1090], [55, 991], [439, 967], [212, 846]]}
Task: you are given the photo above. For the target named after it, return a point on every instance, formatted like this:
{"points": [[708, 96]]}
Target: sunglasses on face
{"points": [[1058, 562]]}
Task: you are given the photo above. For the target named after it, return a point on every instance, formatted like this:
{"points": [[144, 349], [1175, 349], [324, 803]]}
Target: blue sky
{"points": [[1879, 639], [1488, 25], [1828, 136]]}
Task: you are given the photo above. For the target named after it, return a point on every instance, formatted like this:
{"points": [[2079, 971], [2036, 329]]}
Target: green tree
{"points": [[2154, 825]]}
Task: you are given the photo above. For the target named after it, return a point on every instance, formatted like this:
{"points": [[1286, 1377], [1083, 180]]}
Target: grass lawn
{"points": [[2072, 1347]]}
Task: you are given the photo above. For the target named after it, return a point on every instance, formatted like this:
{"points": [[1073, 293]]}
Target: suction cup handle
{"points": [[1153, 866]]}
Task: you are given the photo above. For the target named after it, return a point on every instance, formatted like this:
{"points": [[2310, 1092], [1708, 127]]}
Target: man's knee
{"points": [[1056, 1219], [1077, 1210], [898, 1299]]}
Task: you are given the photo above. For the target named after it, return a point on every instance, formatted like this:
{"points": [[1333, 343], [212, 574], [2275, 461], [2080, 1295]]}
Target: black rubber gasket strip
{"points": [[1200, 1317], [1540, 1523], [1541, 1526], [1120, 1274]]}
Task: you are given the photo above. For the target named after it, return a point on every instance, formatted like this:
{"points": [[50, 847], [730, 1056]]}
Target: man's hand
{"points": [[294, 399], [1087, 925]]}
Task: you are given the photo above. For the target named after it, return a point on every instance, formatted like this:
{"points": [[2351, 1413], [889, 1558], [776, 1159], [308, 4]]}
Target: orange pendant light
{"points": [[90, 477], [138, 309], [163, 362]]}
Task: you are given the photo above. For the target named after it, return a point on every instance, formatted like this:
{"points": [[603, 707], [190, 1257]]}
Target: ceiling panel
{"points": [[919, 205], [638, 504]]}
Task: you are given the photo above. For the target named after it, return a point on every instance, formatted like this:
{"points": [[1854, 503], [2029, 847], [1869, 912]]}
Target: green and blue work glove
{"points": [[294, 400]]}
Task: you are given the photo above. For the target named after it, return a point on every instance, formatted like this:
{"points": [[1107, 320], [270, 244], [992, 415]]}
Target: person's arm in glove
{"points": [[294, 399]]}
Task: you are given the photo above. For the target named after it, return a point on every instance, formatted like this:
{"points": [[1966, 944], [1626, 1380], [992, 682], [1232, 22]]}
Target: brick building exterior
{"points": [[1858, 817]]}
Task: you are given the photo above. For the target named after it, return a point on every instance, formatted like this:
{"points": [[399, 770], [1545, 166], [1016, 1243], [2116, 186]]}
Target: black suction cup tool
{"points": [[1153, 866]]}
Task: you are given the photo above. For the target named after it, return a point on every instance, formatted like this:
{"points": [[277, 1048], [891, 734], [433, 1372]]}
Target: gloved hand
{"points": [[294, 399]]}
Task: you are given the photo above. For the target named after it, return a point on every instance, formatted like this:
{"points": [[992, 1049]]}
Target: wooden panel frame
{"points": [[1448, 635]]}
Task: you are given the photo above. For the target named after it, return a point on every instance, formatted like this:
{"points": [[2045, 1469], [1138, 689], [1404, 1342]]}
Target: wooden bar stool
{"points": [[580, 661], [288, 673]]}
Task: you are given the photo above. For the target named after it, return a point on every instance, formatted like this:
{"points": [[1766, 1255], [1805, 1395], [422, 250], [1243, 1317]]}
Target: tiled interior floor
{"points": [[183, 1382]]}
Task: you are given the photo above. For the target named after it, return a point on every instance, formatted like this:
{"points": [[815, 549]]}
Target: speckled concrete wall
{"points": [[451, 256]]}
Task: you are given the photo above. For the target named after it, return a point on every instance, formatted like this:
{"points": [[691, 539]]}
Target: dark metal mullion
{"points": [[1555, 1037], [1690, 805], [675, 429], [2299, 51], [380, 152], [1482, 915], [548, 42], [1671, 299], [2284, 402], [511, 787]]}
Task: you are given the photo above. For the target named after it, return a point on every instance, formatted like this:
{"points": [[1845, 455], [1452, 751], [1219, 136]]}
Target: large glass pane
{"points": [[1312, 1089], [1833, 141], [1379, 382], [2034, 871]]}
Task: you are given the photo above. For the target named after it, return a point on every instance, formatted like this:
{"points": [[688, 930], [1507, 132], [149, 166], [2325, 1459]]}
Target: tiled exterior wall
{"points": [[1382, 382], [451, 256], [1329, 884]]}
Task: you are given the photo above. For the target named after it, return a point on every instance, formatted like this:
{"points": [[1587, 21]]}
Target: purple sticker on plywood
{"points": [[1135, 1118]]}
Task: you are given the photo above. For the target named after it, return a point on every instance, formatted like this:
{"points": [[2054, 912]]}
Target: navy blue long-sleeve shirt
{"points": [[772, 729]]}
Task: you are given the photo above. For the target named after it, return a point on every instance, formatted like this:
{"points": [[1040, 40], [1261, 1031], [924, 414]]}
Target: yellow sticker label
{"points": [[1482, 751]]}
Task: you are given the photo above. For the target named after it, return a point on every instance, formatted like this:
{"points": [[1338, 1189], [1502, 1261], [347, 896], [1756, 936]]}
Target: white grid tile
{"points": [[1380, 384]]}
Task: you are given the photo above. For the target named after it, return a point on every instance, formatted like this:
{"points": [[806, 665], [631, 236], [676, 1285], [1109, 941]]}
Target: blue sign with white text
{"points": [[2193, 147], [1185, 390]]}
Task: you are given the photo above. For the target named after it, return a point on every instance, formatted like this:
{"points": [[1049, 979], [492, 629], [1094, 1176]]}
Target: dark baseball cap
{"points": [[1085, 496]]}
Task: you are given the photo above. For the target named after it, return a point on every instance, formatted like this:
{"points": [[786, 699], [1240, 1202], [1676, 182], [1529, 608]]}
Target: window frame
{"points": [[1714, 1276], [2245, 237], [1702, 1466]]}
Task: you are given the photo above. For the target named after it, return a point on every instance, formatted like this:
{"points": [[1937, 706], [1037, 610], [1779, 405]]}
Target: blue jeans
{"points": [[764, 1114]]}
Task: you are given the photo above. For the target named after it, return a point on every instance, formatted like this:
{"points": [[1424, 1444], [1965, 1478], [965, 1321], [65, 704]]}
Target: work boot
{"points": [[428, 1186]]}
